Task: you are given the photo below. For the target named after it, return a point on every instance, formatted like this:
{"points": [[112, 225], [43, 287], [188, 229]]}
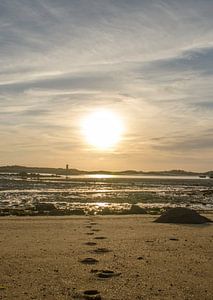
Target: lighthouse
{"points": [[67, 171]]}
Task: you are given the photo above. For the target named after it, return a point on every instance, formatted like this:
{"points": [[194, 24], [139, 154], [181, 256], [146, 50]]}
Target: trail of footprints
{"points": [[99, 274]]}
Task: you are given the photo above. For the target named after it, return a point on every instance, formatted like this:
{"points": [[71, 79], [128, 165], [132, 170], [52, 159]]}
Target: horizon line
{"points": [[102, 170]]}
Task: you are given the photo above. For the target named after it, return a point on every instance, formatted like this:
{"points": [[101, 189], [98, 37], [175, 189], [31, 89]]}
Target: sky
{"points": [[148, 61]]}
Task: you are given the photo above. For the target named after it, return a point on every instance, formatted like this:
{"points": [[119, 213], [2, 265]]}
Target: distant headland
{"points": [[71, 171]]}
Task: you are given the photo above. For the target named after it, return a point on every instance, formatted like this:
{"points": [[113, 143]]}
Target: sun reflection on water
{"points": [[101, 204], [100, 176]]}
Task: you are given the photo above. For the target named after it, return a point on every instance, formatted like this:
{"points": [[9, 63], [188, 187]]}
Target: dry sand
{"points": [[40, 258]]}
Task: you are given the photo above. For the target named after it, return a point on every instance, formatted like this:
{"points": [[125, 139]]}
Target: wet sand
{"points": [[112, 257]]}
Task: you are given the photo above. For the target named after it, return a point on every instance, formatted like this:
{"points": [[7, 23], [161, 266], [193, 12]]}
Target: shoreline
{"points": [[83, 217], [155, 212], [94, 195]]}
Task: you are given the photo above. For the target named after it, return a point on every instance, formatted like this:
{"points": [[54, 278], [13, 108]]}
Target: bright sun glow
{"points": [[102, 129]]}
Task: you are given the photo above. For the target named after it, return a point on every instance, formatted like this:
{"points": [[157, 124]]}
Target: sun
{"points": [[102, 129]]}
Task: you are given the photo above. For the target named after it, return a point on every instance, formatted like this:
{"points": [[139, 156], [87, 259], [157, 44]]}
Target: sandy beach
{"points": [[134, 258]]}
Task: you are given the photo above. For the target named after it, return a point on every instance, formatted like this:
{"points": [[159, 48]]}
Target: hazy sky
{"points": [[150, 61]]}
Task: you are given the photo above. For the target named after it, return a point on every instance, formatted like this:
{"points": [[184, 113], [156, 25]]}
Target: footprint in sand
{"points": [[100, 250], [100, 238], [174, 239], [88, 294], [91, 295], [89, 261], [105, 273], [90, 243], [88, 226]]}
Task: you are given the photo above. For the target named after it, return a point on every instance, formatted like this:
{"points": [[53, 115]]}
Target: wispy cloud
{"points": [[150, 61]]}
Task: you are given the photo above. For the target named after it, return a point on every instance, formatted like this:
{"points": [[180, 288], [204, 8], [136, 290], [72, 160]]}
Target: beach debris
{"points": [[182, 215], [100, 250], [174, 239], [89, 261]]}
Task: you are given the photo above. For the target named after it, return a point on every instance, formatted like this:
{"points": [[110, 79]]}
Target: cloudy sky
{"points": [[150, 61]]}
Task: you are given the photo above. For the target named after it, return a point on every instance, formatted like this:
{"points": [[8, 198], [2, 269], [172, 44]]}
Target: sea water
{"points": [[98, 191]]}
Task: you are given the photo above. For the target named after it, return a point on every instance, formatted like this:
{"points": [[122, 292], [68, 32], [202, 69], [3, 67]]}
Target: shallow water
{"points": [[95, 192]]}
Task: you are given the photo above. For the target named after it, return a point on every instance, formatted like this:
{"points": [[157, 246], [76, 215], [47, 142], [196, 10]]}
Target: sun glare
{"points": [[102, 129]]}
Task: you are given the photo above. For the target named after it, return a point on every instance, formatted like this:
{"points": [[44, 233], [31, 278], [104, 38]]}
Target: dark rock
{"points": [[107, 211], [134, 210], [181, 215], [51, 209], [77, 211], [45, 207]]}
